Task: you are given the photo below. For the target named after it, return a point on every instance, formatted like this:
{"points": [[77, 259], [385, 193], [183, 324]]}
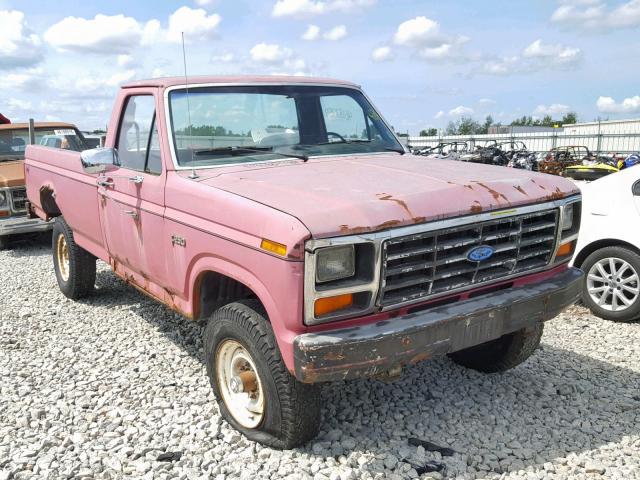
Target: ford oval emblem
{"points": [[481, 253]]}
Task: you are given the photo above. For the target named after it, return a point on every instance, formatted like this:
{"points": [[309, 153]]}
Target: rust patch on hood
{"points": [[496, 195], [520, 189], [557, 194], [12, 174], [476, 207]]}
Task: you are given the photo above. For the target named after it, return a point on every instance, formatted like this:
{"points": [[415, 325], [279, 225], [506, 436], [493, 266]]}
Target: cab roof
{"points": [[16, 126], [237, 79]]}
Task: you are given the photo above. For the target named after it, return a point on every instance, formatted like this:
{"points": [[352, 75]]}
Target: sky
{"points": [[424, 63]]}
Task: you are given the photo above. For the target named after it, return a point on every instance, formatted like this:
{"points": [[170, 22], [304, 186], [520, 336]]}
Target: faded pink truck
{"points": [[284, 214]]}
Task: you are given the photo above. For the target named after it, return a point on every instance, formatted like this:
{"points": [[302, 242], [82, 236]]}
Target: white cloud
{"points": [[309, 8], [28, 80], [312, 33], [429, 42], [382, 54], [418, 32], [553, 110], [461, 111], [555, 54], [195, 23], [336, 33], [609, 105], [225, 57], [597, 15], [19, 46], [17, 104], [439, 115], [277, 56], [118, 34], [536, 57], [204, 3], [486, 101], [102, 34], [124, 60]]}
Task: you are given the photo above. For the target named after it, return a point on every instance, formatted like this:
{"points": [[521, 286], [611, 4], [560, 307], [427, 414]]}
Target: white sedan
{"points": [[608, 249]]}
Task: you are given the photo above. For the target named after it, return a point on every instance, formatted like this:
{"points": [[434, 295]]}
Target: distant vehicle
{"points": [[608, 249], [558, 159], [14, 138]]}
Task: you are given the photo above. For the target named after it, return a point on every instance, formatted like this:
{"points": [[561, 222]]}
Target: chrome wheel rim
{"points": [[62, 254], [239, 384], [613, 284]]}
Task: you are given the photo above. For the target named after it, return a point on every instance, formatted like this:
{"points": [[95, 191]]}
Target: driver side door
{"points": [[132, 194]]}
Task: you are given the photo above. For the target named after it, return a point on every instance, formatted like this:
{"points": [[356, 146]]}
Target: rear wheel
{"points": [[4, 242], [502, 353], [75, 267], [255, 392], [611, 286]]}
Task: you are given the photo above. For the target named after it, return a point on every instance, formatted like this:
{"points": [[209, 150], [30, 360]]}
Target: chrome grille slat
{"points": [[18, 199], [434, 262]]}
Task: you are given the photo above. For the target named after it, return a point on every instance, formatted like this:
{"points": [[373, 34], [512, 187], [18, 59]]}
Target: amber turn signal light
{"points": [[274, 247], [565, 249], [326, 305]]}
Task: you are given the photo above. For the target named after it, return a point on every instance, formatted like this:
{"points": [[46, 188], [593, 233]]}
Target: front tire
{"points": [[611, 285], [502, 353], [75, 267], [4, 242], [255, 392]]}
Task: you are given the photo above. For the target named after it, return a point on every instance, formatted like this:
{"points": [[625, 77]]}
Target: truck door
{"points": [[132, 195]]}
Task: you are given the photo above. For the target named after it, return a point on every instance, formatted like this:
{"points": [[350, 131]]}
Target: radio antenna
{"points": [[193, 175]]}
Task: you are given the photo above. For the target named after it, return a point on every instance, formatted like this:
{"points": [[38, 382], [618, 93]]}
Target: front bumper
{"points": [[23, 224], [369, 350]]}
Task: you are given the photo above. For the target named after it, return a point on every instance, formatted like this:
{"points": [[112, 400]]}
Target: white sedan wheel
{"points": [[613, 284]]}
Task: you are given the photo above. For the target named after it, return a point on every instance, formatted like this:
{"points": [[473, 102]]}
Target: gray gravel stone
{"points": [[100, 388]]}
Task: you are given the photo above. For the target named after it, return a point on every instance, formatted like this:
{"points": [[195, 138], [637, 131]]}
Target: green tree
{"points": [[429, 132], [569, 118]]}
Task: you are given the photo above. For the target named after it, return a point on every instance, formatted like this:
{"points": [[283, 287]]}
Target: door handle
{"points": [[107, 182], [131, 213], [137, 179]]}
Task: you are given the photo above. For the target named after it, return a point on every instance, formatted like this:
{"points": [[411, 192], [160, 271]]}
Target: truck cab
{"points": [[285, 215], [14, 138]]}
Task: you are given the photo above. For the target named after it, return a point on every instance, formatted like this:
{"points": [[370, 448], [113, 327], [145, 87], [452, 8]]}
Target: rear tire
{"points": [[625, 283], [502, 353], [4, 242], [255, 392], [75, 267]]}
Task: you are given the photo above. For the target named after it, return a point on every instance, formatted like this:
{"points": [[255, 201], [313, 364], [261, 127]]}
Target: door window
{"points": [[344, 117], [138, 146]]}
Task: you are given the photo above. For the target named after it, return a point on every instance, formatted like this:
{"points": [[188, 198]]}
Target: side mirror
{"points": [[99, 160]]}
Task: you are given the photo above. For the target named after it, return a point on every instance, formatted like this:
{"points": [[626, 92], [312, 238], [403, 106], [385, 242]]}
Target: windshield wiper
{"points": [[353, 140], [391, 149], [239, 150]]}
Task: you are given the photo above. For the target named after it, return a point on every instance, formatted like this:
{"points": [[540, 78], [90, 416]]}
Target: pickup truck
{"points": [[14, 137], [284, 214]]}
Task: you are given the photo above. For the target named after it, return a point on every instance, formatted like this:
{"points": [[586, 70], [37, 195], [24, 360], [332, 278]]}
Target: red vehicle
{"points": [[284, 213]]}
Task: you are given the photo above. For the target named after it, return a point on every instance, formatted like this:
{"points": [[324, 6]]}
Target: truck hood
{"points": [[12, 174], [357, 194]]}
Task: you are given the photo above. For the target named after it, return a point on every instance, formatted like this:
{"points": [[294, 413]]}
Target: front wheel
{"points": [[611, 286], [255, 392], [4, 242], [502, 353], [75, 267]]}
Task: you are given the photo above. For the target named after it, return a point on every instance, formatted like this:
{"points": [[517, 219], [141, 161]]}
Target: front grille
{"points": [[435, 262], [18, 199]]}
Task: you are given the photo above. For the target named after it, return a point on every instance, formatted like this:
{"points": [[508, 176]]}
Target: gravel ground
{"points": [[104, 387]]}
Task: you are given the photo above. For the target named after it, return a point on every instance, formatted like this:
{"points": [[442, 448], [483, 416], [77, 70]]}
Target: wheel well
{"points": [[607, 242], [48, 202], [214, 290]]}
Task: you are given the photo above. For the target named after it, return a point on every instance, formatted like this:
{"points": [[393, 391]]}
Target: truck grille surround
{"points": [[18, 199], [422, 265]]}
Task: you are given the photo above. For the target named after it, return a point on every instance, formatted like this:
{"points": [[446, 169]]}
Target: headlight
{"points": [[567, 219], [334, 263], [3, 199]]}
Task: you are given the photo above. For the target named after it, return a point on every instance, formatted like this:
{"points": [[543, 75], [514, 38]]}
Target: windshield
{"points": [[14, 141], [258, 123]]}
